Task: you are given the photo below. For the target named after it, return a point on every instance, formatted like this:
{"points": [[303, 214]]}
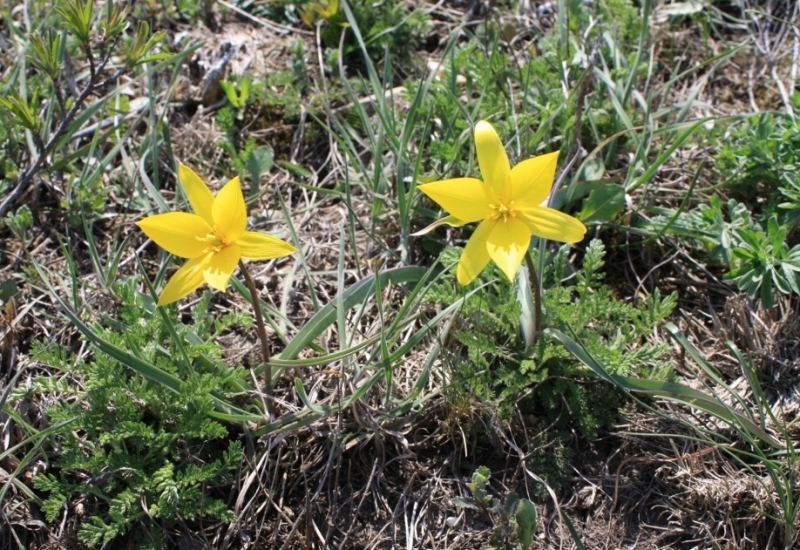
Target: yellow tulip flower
{"points": [[213, 239], [508, 203]]}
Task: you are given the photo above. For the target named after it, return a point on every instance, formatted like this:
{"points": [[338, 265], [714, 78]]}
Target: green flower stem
{"points": [[537, 297], [262, 335]]}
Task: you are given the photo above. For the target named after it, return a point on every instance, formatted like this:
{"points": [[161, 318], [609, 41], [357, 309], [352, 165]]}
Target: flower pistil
{"points": [[500, 210]]}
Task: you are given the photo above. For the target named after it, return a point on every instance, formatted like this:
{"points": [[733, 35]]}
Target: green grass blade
{"points": [[667, 390], [350, 297], [666, 154]]}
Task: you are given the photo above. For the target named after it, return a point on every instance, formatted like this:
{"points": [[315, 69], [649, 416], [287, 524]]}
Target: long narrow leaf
{"points": [[667, 390], [351, 297]]}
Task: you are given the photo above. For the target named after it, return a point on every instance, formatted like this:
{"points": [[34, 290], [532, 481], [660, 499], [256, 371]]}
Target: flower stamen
{"points": [[213, 240], [503, 211]]}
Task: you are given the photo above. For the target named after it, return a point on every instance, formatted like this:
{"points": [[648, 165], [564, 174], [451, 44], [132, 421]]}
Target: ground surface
{"points": [[363, 478]]}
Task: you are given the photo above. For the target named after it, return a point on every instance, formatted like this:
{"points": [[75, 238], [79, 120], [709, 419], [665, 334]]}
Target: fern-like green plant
{"points": [[490, 366], [138, 453]]}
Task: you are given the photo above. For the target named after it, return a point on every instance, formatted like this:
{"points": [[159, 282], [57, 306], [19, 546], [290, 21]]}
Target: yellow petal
{"points": [[492, 159], [553, 225], [475, 255], [229, 212], [178, 233], [465, 198], [220, 267], [507, 244], [188, 278], [452, 221], [198, 193], [260, 246], [532, 180]]}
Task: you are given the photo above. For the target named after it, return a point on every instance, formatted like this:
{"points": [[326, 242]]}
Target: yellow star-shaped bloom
{"points": [[213, 239], [508, 205]]}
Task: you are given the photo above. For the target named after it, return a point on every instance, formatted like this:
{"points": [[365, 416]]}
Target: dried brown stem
{"points": [[262, 335]]}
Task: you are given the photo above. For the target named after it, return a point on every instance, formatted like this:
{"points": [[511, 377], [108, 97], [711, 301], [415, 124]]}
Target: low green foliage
{"points": [[390, 26], [164, 13], [489, 363], [752, 235], [20, 222], [478, 486], [142, 431], [136, 451], [514, 519], [62, 100], [765, 264], [237, 94], [386, 27], [276, 100], [761, 156]]}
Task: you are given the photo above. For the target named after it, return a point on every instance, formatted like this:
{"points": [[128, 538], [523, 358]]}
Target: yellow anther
{"points": [[502, 211], [213, 241]]}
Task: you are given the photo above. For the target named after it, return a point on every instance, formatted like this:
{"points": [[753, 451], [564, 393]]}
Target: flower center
{"points": [[503, 211], [214, 240]]}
